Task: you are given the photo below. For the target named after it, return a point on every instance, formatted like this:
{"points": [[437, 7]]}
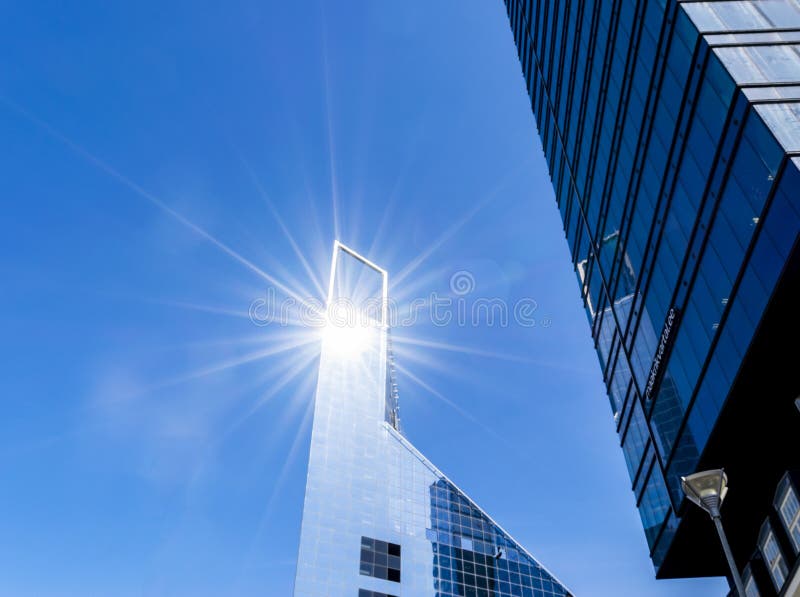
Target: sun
{"points": [[346, 339]]}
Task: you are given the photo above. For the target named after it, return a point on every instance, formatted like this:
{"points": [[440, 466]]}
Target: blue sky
{"points": [[164, 165]]}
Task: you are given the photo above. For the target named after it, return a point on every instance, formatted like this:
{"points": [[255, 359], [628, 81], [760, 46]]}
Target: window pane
{"points": [[725, 16], [774, 559], [784, 122], [781, 13], [740, 64], [778, 63], [789, 506], [790, 515], [750, 589]]}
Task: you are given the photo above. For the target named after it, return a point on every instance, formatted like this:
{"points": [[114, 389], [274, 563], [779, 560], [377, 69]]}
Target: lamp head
{"points": [[706, 489]]}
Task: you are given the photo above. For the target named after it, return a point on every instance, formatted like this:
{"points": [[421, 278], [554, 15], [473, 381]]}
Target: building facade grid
{"points": [[379, 519], [672, 136]]}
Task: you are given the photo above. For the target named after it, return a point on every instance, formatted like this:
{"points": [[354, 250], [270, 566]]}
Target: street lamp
{"points": [[707, 489]]}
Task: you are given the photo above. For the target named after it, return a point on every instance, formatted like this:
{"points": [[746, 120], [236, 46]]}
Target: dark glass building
{"points": [[379, 520], [672, 135]]}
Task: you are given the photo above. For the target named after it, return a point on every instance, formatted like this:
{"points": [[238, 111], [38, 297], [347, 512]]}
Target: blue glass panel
{"points": [[654, 505], [784, 119]]}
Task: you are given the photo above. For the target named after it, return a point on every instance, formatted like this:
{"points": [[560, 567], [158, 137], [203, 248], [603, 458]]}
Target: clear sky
{"points": [[164, 164]]}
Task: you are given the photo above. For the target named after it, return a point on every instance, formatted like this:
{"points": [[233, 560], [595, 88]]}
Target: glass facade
{"points": [[672, 134], [379, 519], [788, 507], [773, 557]]}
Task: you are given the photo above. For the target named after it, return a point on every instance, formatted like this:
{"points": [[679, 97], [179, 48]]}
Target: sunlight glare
{"points": [[346, 340]]}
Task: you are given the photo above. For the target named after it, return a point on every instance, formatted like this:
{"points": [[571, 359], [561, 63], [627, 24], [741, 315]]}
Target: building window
{"points": [[750, 588], [366, 593], [772, 556], [788, 507], [380, 559]]}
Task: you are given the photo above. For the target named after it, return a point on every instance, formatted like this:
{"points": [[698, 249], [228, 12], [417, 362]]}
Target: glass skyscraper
{"points": [[379, 519], [672, 134]]}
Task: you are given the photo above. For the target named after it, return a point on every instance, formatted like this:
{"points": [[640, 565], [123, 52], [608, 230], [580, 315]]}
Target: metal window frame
{"points": [[338, 248]]}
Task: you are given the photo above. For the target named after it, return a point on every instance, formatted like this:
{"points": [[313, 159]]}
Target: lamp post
{"points": [[707, 489]]}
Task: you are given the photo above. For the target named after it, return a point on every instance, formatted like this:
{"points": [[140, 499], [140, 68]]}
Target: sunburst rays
{"points": [[287, 347]]}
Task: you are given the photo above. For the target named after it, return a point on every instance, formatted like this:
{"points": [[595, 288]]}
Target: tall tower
{"points": [[672, 134], [379, 520]]}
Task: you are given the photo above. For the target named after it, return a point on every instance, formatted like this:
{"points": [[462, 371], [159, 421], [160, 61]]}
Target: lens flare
{"points": [[347, 340]]}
